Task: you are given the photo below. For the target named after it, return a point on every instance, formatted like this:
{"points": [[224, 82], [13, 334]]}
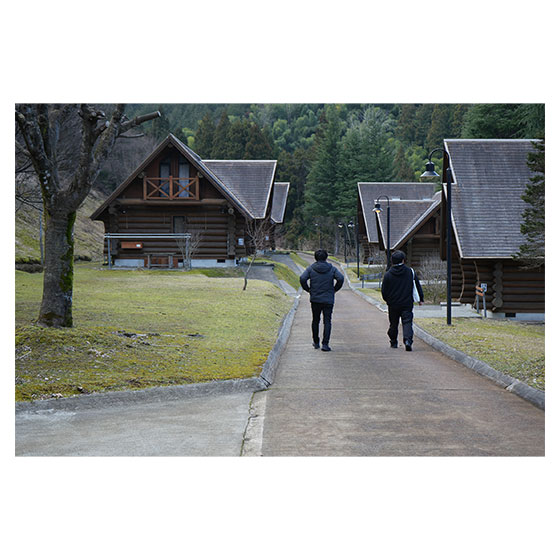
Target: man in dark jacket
{"points": [[325, 280], [397, 289]]}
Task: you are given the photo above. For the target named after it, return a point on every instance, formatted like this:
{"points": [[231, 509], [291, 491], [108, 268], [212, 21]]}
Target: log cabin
{"points": [[176, 210], [488, 179], [414, 226]]}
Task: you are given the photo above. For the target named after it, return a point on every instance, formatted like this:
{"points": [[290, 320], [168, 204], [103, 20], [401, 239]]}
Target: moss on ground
{"points": [[282, 272], [137, 329], [298, 260], [373, 293], [516, 349]]}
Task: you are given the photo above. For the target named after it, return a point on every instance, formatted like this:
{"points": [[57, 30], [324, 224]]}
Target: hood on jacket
{"points": [[397, 269], [321, 266]]}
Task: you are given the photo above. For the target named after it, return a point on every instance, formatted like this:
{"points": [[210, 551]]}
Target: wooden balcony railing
{"points": [[171, 188]]}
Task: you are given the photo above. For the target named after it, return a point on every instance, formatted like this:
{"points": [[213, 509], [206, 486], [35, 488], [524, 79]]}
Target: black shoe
{"points": [[316, 345], [394, 344], [408, 345], [326, 348]]}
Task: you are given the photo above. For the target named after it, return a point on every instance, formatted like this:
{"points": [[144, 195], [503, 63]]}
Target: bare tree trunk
{"points": [[246, 277], [41, 126], [56, 306]]}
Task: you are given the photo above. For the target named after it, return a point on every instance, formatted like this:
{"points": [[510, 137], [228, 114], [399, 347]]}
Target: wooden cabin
{"points": [[415, 221], [488, 179], [174, 198]]}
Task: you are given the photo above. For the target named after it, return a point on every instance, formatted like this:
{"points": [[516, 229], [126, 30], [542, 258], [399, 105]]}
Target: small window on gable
{"points": [[184, 174], [164, 173]]}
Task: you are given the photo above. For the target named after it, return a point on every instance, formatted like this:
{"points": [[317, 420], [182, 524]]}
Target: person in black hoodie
{"points": [[325, 280], [397, 289]]}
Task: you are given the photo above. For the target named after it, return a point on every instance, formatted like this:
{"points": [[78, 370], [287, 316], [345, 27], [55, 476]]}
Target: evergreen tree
{"points": [[533, 227], [530, 120], [403, 169], [406, 130], [258, 145], [457, 117], [204, 136], [422, 123], [440, 126], [160, 128], [237, 136], [322, 181], [365, 156], [220, 141], [491, 121]]}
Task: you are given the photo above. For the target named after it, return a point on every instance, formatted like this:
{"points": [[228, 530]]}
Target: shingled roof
{"points": [[250, 181], [490, 178], [279, 199], [369, 192], [407, 216], [247, 184]]}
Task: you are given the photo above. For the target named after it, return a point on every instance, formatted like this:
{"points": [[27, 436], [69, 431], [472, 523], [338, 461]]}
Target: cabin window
{"points": [[164, 173], [179, 224], [184, 174]]}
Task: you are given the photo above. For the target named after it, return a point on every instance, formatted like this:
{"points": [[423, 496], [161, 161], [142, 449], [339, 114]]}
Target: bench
{"points": [[369, 277]]}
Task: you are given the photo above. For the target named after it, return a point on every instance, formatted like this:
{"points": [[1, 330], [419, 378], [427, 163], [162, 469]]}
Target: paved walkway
{"points": [[366, 399], [361, 399], [202, 426]]}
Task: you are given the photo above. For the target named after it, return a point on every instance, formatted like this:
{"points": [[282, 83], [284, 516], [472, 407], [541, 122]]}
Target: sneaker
{"points": [[326, 348], [408, 345], [394, 344], [316, 345]]}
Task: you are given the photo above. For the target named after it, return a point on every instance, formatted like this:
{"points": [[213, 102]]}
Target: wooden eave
{"points": [[418, 224], [192, 157]]}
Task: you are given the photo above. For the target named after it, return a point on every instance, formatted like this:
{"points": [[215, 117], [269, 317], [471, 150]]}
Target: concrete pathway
{"points": [[361, 399], [366, 399], [202, 426]]}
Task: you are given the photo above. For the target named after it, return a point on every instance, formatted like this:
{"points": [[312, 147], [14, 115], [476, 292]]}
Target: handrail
{"points": [[171, 188]]}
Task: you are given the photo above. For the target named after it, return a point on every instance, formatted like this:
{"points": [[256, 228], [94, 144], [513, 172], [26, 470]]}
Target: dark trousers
{"points": [[326, 309], [405, 315]]}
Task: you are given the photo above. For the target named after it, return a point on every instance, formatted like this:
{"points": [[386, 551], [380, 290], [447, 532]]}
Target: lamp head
{"points": [[430, 170], [377, 207]]}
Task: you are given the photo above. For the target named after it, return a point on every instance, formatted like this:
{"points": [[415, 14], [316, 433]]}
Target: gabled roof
{"points": [[250, 181], [490, 178], [279, 199], [407, 217], [369, 192], [246, 184]]}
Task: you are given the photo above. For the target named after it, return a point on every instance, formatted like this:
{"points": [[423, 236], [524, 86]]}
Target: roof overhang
{"points": [[172, 141]]}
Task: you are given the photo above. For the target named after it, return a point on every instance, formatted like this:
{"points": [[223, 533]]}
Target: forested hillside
{"points": [[322, 150]]}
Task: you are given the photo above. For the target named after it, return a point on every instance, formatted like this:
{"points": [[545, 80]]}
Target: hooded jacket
{"points": [[324, 281], [397, 286]]}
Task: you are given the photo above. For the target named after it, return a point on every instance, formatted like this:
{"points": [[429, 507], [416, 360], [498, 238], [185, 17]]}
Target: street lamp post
{"points": [[345, 227], [377, 209], [430, 172], [318, 226]]}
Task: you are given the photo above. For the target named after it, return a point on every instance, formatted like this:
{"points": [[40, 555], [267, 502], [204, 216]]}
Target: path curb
{"points": [[177, 392], [535, 396], [268, 373]]}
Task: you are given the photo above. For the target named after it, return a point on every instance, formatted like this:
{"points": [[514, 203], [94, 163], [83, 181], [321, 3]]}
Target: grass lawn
{"points": [[136, 329], [373, 293], [298, 260], [516, 349], [282, 272]]}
